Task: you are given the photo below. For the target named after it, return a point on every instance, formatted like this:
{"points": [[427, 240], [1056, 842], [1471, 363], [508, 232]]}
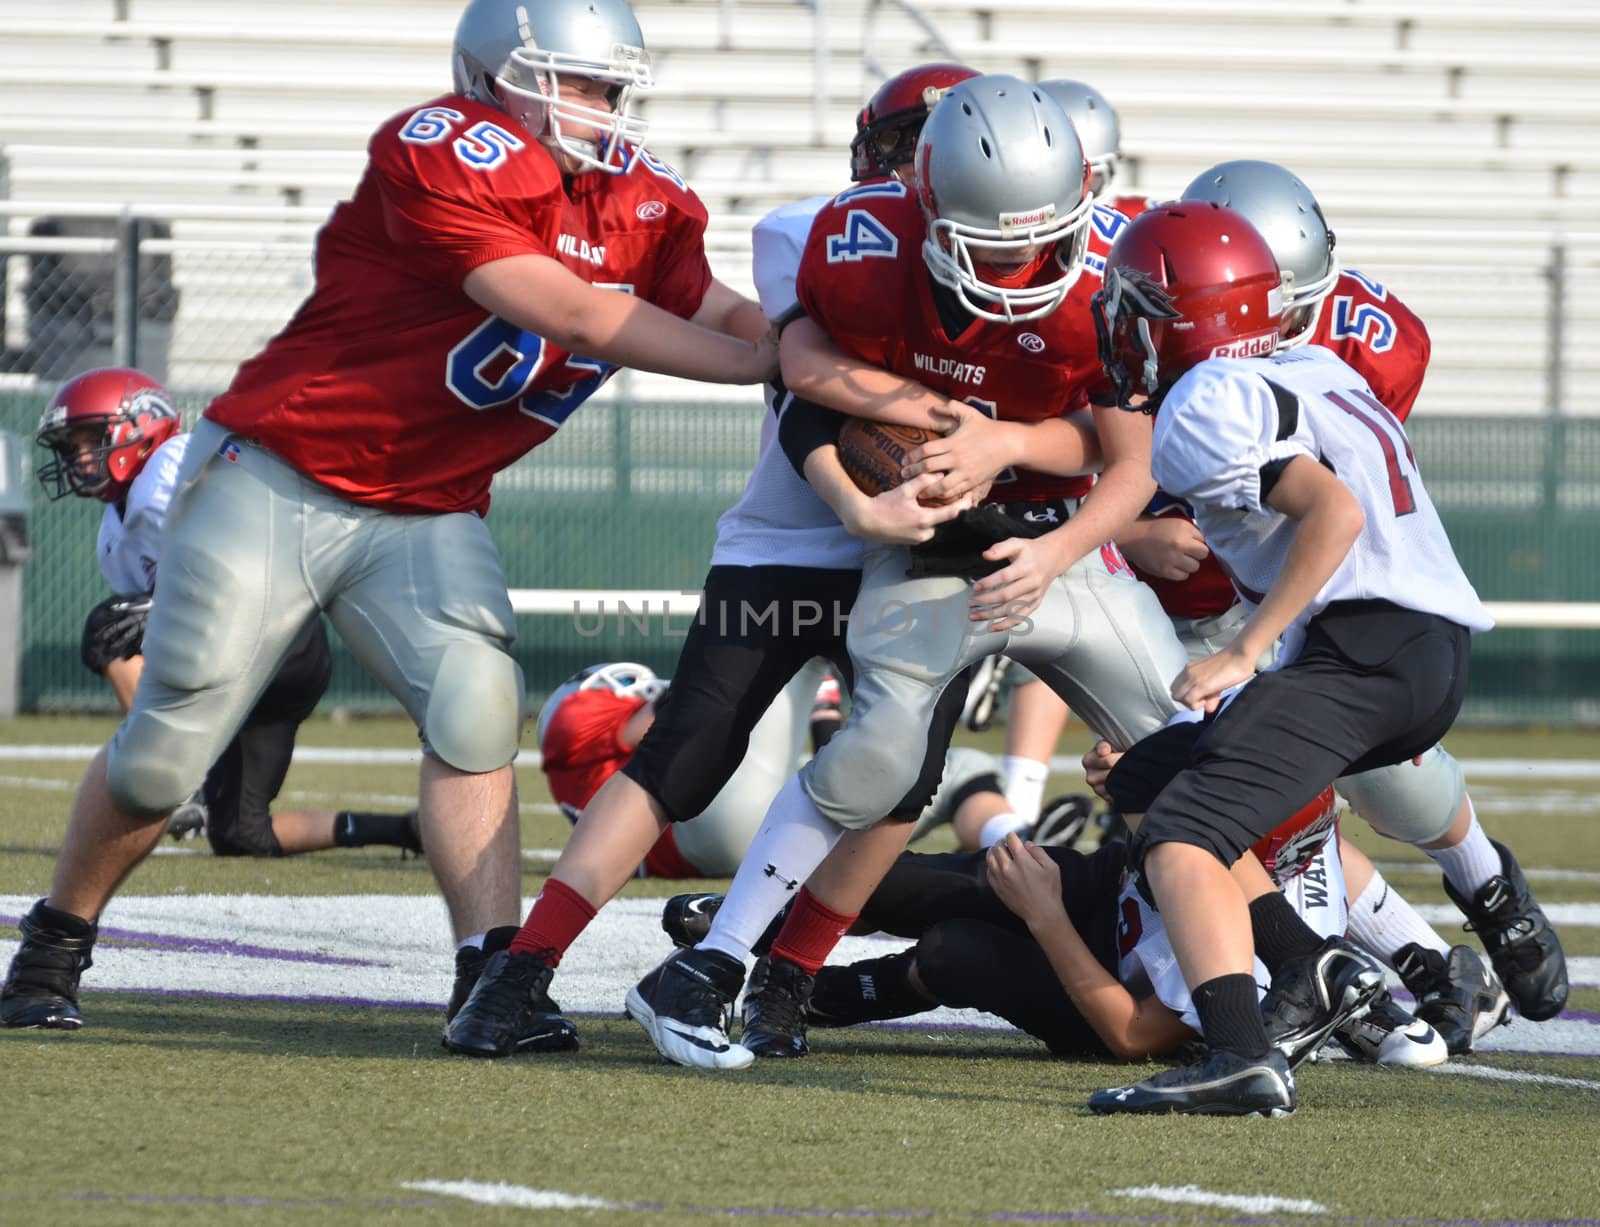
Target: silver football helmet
{"points": [[1098, 129], [1286, 213], [512, 55], [1003, 184]]}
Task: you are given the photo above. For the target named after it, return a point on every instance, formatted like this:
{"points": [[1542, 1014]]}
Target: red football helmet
{"points": [[1185, 282], [102, 426], [888, 126]]}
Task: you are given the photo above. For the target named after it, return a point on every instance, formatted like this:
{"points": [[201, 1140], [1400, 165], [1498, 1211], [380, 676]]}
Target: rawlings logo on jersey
{"points": [[1258, 346], [651, 211], [579, 249], [950, 368], [1032, 342]]}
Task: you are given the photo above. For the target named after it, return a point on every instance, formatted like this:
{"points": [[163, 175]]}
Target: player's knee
{"points": [[474, 715], [242, 839], [944, 962], [858, 790], [1414, 803], [152, 768]]}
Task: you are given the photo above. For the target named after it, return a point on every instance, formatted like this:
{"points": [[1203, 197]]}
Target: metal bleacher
{"points": [[1455, 144]]}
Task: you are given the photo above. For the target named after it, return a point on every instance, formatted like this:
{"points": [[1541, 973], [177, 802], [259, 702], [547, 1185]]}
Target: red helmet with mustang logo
{"points": [[102, 426], [1184, 282], [888, 126]]}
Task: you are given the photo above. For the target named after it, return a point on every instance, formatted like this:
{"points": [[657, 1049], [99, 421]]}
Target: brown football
{"points": [[872, 452]]}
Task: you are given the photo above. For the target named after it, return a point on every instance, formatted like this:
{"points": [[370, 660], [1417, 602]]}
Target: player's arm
{"points": [[1029, 883], [1122, 491], [539, 295], [1167, 546], [894, 517], [1328, 521], [976, 447], [729, 312], [815, 368]]}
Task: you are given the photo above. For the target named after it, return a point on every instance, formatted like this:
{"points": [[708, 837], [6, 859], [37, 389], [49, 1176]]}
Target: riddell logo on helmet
{"points": [[1248, 347], [1027, 219]]}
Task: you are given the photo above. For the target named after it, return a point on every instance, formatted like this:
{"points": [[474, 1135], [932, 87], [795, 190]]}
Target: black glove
{"points": [[114, 630]]}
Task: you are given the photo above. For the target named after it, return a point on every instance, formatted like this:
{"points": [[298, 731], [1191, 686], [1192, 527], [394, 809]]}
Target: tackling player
{"points": [[112, 435], [1306, 490], [509, 246]]}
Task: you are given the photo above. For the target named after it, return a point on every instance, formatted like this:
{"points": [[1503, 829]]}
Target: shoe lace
{"points": [[779, 1006]]}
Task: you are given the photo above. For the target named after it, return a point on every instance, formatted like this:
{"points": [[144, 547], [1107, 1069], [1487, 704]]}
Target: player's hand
{"points": [[973, 449], [1168, 547], [1097, 764], [1006, 598], [1026, 880], [1203, 681], [897, 518]]}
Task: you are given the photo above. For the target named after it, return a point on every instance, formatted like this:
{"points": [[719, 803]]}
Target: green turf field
{"points": [[264, 1075]]}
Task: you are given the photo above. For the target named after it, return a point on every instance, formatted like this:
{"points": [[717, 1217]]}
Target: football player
{"points": [[981, 260], [1295, 471], [1423, 803], [509, 246], [783, 578], [112, 435]]}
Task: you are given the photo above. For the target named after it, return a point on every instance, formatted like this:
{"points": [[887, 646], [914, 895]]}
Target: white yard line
{"points": [[1515, 1075], [1247, 1203], [519, 1196]]}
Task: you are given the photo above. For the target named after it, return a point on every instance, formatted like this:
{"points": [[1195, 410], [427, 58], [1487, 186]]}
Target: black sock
{"points": [[353, 829], [1278, 931], [62, 922], [872, 989], [1230, 1015]]}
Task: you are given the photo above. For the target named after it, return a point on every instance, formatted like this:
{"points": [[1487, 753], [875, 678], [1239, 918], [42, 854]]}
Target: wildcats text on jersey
{"points": [[572, 245], [949, 368]]}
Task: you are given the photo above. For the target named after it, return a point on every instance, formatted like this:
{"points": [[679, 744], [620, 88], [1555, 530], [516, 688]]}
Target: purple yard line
{"points": [[992, 1216], [214, 945]]}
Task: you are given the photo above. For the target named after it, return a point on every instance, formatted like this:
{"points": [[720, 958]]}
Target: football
{"points": [[872, 452]]}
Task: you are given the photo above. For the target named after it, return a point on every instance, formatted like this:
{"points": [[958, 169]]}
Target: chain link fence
{"points": [[627, 495]]}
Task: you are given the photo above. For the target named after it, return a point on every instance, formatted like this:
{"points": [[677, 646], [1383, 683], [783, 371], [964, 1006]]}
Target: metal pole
{"points": [[125, 292], [1557, 317], [819, 71]]}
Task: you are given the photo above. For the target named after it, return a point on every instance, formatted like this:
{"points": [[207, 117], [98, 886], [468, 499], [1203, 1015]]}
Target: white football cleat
{"points": [[684, 1006]]}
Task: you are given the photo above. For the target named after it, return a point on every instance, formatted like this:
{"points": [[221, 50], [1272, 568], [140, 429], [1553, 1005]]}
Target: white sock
{"points": [[1024, 786], [998, 827], [1381, 921], [1470, 863], [475, 942], [790, 844]]}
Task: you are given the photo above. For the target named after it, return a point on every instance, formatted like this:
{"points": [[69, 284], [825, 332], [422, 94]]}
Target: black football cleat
{"points": [[1524, 949], [1315, 993], [686, 919], [1456, 994], [41, 987], [469, 966], [509, 1011], [1062, 821], [775, 1007], [1224, 1084], [189, 820], [685, 1005]]}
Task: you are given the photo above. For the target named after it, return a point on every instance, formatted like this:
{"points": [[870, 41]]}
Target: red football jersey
{"points": [[1377, 334], [1387, 345], [582, 746], [863, 280], [393, 387]]}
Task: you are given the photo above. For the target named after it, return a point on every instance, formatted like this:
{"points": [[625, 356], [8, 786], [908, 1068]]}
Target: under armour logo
{"points": [[788, 883], [1123, 1094]]}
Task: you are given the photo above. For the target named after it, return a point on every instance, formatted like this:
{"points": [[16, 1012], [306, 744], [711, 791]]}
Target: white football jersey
{"points": [[1148, 964], [780, 520], [1228, 418], [129, 545]]}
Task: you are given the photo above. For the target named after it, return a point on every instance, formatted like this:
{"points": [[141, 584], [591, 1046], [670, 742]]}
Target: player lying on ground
{"points": [[113, 437]]}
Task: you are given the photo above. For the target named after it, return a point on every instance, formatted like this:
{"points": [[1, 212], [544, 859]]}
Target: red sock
{"points": [[810, 933], [558, 915]]}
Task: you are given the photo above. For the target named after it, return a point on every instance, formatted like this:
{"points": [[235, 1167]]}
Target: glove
{"points": [[114, 630]]}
